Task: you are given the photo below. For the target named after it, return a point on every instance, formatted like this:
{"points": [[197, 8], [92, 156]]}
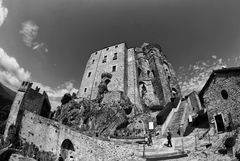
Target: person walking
{"points": [[169, 136]]}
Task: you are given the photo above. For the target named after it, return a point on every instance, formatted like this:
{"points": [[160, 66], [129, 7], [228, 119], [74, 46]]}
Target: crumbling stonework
{"points": [[29, 99], [143, 74]]}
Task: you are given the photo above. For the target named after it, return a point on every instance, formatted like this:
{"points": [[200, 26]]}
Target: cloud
{"points": [[29, 33], [214, 56], [11, 73], [194, 76], [55, 94], [3, 13]]}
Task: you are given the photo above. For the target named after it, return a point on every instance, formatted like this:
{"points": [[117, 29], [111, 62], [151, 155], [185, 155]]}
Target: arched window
{"points": [[67, 144]]}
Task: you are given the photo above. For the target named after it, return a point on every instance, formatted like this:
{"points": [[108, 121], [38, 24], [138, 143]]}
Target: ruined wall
{"points": [[33, 101], [110, 60], [133, 92], [48, 136], [194, 103], [12, 117], [222, 97]]}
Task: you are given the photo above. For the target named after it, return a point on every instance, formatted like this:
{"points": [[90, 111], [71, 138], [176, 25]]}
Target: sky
{"points": [[49, 42]]}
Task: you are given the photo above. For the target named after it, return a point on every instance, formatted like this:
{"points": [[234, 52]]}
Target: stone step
{"points": [[174, 124]]}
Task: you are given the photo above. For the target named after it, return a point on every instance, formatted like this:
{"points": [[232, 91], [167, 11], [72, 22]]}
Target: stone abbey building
{"points": [[142, 73]]}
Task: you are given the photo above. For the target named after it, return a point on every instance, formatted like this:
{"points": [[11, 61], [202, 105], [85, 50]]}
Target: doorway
{"points": [[219, 123]]}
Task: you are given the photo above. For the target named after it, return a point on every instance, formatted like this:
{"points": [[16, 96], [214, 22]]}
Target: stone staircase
{"points": [[175, 122]]}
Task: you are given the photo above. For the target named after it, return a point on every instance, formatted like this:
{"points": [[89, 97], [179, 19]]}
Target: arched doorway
{"points": [[67, 149]]}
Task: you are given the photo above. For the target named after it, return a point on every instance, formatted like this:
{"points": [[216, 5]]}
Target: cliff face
{"points": [[109, 117]]}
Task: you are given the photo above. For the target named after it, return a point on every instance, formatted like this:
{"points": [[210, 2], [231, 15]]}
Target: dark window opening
{"points": [[153, 73], [113, 68], [116, 46], [115, 56], [104, 59], [89, 74], [224, 94], [85, 90], [148, 73], [93, 61], [107, 49], [96, 53], [139, 71], [169, 77]]}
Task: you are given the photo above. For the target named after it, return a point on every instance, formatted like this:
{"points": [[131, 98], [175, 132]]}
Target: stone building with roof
{"points": [[221, 98]]}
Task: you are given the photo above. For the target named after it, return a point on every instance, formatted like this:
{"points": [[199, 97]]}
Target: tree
{"points": [[66, 98]]}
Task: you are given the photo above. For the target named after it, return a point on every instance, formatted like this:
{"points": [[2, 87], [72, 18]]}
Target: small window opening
{"points": [[115, 56], [148, 73], [96, 53], [113, 68], [153, 73], [89, 74], [104, 59], [116, 46], [139, 71], [224, 94], [85, 90], [93, 61], [107, 49]]}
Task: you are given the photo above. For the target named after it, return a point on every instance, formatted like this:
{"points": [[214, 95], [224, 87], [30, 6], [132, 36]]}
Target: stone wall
{"points": [[104, 60], [49, 135], [222, 97], [194, 103], [12, 117], [133, 92]]}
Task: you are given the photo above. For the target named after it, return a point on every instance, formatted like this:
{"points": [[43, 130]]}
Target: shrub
{"points": [[230, 142]]}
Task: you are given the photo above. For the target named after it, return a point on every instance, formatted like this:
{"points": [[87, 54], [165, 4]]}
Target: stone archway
{"points": [[66, 150]]}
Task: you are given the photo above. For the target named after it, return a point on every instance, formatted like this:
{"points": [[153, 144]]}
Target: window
{"points": [[107, 49], [115, 56], [113, 68], [153, 73], [93, 61], [148, 73], [224, 94], [104, 59], [96, 53], [116, 46], [85, 90], [89, 74]]}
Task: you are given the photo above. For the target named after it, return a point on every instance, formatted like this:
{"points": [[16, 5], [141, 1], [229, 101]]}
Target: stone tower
{"points": [[142, 73], [29, 99]]}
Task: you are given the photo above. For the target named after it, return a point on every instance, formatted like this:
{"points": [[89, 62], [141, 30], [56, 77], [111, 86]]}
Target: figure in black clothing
{"points": [[149, 139], [169, 138]]}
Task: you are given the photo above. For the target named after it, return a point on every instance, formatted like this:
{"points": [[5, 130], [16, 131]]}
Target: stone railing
{"points": [[167, 121], [184, 120]]}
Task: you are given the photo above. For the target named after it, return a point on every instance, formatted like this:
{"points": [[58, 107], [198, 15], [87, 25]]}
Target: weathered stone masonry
{"points": [[143, 74], [49, 135], [221, 97]]}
